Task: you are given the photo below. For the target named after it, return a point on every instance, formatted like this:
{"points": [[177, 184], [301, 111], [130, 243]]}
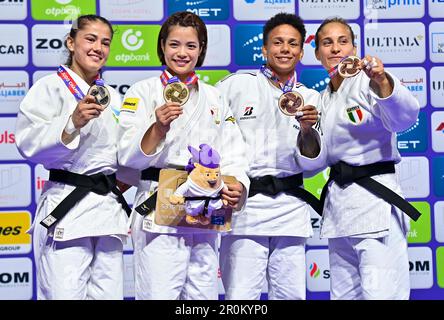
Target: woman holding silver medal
{"points": [[160, 117], [363, 108], [277, 116], [67, 123]]}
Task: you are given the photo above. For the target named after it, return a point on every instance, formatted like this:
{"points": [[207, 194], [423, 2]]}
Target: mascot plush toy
{"points": [[200, 192]]}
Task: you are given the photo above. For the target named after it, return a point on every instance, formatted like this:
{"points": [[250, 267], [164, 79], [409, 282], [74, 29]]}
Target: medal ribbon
{"points": [[72, 85], [287, 86], [332, 72], [190, 81]]}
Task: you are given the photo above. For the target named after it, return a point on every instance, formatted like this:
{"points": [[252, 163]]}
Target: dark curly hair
{"points": [[284, 18]]}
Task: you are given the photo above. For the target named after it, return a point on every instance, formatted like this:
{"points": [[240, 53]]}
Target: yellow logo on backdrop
{"points": [[13, 227]]}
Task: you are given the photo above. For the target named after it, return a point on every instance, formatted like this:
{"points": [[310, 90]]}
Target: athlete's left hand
{"points": [[379, 81], [309, 118], [232, 194]]}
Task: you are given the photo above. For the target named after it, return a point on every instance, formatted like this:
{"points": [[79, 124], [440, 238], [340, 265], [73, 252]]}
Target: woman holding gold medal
{"points": [[67, 123], [160, 118], [277, 116], [363, 108]]}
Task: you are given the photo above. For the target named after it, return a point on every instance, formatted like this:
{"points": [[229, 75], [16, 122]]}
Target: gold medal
{"points": [[349, 67], [176, 92], [101, 93], [290, 102]]}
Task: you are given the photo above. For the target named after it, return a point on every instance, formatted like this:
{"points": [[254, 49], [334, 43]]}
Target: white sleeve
{"points": [[40, 124], [397, 111], [182, 189], [233, 154], [136, 117], [318, 162]]}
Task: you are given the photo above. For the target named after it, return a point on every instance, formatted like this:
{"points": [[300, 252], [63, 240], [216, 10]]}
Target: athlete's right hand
{"points": [[86, 109], [166, 114]]}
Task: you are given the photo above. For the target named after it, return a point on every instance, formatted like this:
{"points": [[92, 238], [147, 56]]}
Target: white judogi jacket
{"points": [[360, 136], [271, 139], [205, 119], [42, 117]]}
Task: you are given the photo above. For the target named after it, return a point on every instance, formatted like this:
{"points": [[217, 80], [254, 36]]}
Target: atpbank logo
{"points": [[421, 230], [438, 175], [211, 76], [414, 139], [394, 9], [131, 40], [396, 42], [261, 9], [131, 48], [248, 45], [316, 79], [321, 9], [438, 131], [206, 9], [61, 10]]}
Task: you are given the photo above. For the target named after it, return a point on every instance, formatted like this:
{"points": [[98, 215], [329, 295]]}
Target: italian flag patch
{"points": [[355, 114]]}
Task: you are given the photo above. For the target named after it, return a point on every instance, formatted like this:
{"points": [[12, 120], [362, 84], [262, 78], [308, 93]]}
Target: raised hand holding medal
{"points": [[100, 93]]}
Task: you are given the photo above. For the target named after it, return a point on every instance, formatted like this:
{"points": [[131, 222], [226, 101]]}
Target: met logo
{"points": [[206, 9], [248, 45], [414, 139]]}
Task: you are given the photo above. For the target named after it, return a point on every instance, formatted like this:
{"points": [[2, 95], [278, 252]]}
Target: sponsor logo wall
{"points": [[406, 34]]}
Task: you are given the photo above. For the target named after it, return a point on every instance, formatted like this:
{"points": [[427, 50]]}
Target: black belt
{"points": [[271, 185], [97, 183], [343, 173], [152, 174]]}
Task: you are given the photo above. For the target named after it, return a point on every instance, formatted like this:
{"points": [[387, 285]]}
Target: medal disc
{"points": [[101, 93], [349, 67], [176, 92], [290, 102]]}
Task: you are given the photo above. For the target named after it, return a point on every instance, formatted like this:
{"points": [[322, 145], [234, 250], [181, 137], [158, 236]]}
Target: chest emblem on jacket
{"points": [[355, 115], [248, 113]]}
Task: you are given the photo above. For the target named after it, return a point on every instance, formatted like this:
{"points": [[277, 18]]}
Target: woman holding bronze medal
{"points": [[363, 108], [276, 115], [160, 118], [66, 122]]}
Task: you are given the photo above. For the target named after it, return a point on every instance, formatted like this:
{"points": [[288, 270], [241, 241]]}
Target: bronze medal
{"points": [[349, 67], [101, 93], [290, 102], [176, 92]]}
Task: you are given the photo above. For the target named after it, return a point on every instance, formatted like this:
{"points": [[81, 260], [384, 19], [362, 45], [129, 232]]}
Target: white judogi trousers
{"points": [[247, 260], [88, 268], [366, 268], [175, 266]]}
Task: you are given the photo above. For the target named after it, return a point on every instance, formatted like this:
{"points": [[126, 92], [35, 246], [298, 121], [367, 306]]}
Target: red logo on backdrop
{"points": [[7, 137]]}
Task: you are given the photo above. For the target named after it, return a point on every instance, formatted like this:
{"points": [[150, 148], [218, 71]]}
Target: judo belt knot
{"points": [[292, 185]]}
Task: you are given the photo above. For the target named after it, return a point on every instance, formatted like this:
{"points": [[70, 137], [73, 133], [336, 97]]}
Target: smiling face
{"points": [[335, 43], [283, 50], [90, 49], [181, 51]]}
